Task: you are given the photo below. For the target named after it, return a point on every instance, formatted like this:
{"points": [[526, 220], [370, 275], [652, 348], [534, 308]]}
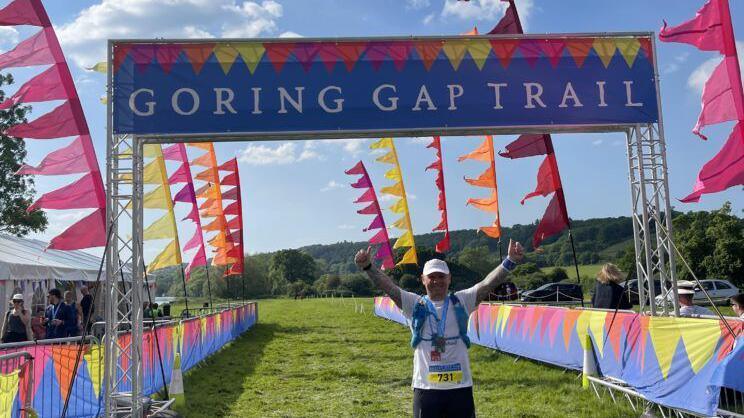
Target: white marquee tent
{"points": [[27, 267]]}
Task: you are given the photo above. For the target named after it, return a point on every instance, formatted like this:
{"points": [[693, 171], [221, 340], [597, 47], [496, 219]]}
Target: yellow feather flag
{"points": [[226, 55], [395, 190], [382, 143], [393, 174], [405, 240], [162, 228], [410, 257], [171, 256], [156, 199], [402, 223], [400, 206], [151, 151], [100, 67], [388, 158], [151, 173]]}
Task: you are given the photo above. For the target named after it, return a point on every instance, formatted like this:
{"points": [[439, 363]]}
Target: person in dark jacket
{"points": [[57, 315], [608, 294]]}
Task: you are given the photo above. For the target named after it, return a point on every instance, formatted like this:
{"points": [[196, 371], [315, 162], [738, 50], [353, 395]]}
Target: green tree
{"points": [[289, 266], [411, 283], [16, 192], [712, 243], [478, 259], [358, 284]]}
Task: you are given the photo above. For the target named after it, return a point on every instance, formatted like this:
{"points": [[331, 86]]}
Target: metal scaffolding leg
{"points": [[651, 216]]}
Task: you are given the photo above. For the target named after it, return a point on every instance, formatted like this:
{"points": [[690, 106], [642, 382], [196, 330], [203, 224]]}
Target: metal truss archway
{"points": [[650, 207]]}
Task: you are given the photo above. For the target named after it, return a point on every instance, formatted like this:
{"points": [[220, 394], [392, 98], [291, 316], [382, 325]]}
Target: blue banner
{"points": [[385, 85]]}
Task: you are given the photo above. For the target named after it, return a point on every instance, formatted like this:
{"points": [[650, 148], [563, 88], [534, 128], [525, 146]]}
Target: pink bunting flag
{"points": [[185, 195], [58, 123], [181, 175], [384, 250], [67, 160], [193, 216], [199, 259], [229, 180], [33, 51], [19, 12], [231, 194], [232, 209], [705, 30], [724, 170], [376, 223], [230, 165], [88, 232], [73, 196], [194, 242], [42, 88], [173, 153], [718, 101]]}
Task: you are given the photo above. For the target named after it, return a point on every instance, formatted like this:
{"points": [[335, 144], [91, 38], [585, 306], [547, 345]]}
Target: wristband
{"points": [[508, 264], [369, 266]]}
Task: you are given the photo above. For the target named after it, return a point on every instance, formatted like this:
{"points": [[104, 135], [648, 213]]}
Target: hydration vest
{"points": [[421, 312]]}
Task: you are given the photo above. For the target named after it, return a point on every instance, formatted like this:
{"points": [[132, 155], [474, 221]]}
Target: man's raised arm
{"points": [[498, 275], [363, 260]]}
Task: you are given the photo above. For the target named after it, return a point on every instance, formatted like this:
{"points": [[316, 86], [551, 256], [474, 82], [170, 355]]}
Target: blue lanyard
{"points": [[54, 311], [440, 322]]}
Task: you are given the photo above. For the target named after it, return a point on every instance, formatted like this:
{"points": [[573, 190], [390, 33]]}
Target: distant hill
{"points": [[597, 240]]}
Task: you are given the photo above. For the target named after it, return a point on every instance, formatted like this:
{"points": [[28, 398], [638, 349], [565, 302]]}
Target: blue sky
{"points": [[296, 193]]}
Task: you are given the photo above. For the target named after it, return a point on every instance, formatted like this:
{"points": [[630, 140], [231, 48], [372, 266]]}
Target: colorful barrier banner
{"points": [[676, 362], [434, 84], [195, 339]]}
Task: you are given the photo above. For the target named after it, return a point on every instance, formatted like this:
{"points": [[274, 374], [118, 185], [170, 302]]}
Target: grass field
{"points": [[317, 357]]}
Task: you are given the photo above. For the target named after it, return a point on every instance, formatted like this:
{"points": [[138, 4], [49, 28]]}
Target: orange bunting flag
{"points": [[487, 179], [401, 205]]}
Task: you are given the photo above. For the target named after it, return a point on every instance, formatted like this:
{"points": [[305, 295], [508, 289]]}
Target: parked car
{"points": [[632, 289], [554, 292], [720, 291]]}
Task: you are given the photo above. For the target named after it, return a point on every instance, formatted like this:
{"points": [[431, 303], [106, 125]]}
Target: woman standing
{"points": [[17, 324], [608, 294]]}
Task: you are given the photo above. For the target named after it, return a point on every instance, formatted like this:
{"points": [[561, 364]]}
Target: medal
{"points": [[440, 344]]}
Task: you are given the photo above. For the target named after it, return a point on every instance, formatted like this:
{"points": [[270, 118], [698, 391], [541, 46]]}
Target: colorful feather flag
{"points": [[384, 251], [487, 179], [444, 244], [401, 204]]}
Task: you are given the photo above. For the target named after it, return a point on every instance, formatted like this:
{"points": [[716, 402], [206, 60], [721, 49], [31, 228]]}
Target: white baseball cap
{"points": [[17, 296], [435, 265], [685, 287]]}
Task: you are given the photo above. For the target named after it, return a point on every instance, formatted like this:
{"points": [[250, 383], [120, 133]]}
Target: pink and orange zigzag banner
{"points": [[66, 120]]}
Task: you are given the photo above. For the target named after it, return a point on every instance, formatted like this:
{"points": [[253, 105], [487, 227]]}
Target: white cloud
{"points": [[9, 37], [290, 34], [700, 75], [333, 184], [422, 140], [84, 39], [286, 153], [417, 4], [597, 142], [346, 226], [489, 10], [428, 19], [353, 146]]}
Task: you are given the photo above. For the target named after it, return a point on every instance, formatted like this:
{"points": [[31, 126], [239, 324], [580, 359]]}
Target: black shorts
{"points": [[452, 403]]}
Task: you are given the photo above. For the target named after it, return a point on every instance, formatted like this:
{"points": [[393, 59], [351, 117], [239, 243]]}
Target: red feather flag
{"points": [[443, 245], [235, 225]]}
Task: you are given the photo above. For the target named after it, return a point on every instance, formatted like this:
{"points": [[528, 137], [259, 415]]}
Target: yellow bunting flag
{"points": [[665, 336], [171, 256], [479, 50], [100, 67], [628, 48], [226, 55], [160, 229], [94, 364], [605, 48], [151, 173], [8, 391], [155, 199], [251, 53], [455, 49], [401, 205]]}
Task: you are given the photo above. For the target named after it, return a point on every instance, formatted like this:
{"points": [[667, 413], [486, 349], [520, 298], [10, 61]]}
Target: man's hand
{"points": [[515, 252], [363, 258]]}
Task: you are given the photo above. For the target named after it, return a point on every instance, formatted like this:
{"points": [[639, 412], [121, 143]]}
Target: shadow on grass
{"points": [[218, 383]]}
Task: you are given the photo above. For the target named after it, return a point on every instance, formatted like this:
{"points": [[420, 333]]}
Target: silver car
{"points": [[719, 291]]}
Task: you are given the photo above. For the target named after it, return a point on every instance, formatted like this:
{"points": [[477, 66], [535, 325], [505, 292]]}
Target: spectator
{"points": [[146, 310], [37, 324], [686, 292], [57, 315], [608, 294], [86, 307], [737, 303], [72, 327], [156, 311], [16, 326]]}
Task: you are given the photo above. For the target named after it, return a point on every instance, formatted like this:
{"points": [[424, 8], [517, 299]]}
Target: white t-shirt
{"points": [[694, 310], [452, 369]]}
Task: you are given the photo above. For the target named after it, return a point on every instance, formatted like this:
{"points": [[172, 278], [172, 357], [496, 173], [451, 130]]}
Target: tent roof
{"points": [[28, 259]]}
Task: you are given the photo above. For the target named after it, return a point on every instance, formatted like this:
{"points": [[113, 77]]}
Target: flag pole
{"points": [[209, 286]]}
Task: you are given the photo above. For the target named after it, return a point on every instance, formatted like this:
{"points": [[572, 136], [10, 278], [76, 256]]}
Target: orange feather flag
{"points": [[487, 179]]}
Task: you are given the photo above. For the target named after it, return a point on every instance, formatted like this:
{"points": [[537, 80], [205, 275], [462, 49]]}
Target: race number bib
{"points": [[444, 374]]}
